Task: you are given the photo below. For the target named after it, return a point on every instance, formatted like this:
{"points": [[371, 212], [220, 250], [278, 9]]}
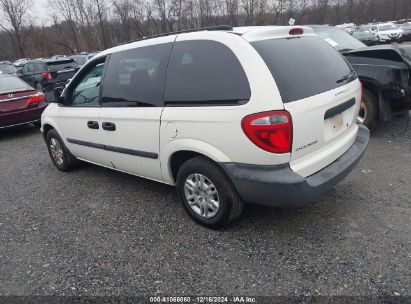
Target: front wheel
{"points": [[59, 154], [207, 194]]}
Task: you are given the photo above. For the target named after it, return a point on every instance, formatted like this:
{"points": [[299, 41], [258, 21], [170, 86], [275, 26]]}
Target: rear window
{"points": [[61, 65], [11, 84], [303, 66]]}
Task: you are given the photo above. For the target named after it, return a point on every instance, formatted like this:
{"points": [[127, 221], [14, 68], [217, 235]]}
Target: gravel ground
{"points": [[98, 232]]}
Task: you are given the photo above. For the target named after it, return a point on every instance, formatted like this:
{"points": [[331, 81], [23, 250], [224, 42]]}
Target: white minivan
{"points": [[260, 115]]}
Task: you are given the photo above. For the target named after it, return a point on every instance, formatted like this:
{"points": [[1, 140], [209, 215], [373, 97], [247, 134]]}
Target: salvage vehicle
{"points": [[387, 32], [217, 113], [384, 71], [45, 75], [19, 103]]}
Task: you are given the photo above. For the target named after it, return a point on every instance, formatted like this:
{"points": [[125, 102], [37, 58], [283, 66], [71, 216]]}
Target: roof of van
{"points": [[250, 33]]}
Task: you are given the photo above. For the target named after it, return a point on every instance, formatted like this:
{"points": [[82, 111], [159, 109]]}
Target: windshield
{"points": [[362, 34], [8, 69], [339, 39], [12, 84], [388, 27]]}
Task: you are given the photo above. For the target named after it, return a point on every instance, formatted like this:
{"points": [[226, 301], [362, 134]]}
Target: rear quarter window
{"points": [[303, 66], [205, 72]]}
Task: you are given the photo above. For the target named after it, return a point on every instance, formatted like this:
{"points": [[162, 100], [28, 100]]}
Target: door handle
{"points": [[109, 126], [92, 124]]}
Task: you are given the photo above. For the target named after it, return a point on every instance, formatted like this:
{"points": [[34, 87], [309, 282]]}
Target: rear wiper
{"points": [[346, 77]]}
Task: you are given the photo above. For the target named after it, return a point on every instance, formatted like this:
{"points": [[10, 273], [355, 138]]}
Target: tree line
{"points": [[93, 25]]}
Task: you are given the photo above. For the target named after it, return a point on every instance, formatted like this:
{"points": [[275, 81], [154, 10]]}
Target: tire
{"points": [[37, 124], [39, 87], [230, 205], [59, 154], [369, 109]]}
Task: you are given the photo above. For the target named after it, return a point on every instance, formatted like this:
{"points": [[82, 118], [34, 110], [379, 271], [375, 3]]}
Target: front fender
{"points": [[47, 120]]}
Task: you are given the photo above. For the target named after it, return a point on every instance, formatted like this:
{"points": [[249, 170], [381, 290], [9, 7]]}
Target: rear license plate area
{"points": [[338, 119]]}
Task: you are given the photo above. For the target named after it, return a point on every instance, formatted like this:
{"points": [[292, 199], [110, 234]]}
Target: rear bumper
{"points": [[279, 186]]}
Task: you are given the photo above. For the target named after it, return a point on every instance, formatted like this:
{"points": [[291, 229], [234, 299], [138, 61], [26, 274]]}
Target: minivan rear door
{"points": [[320, 91]]}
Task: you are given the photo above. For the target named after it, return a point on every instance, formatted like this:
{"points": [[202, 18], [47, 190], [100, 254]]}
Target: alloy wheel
{"points": [[56, 151], [201, 195]]}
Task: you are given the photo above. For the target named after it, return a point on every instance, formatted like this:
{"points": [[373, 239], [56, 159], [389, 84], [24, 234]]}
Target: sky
{"points": [[39, 12]]}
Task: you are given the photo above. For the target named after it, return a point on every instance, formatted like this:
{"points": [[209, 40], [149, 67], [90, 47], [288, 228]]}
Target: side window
{"points": [[205, 72], [86, 92], [135, 78], [40, 67]]}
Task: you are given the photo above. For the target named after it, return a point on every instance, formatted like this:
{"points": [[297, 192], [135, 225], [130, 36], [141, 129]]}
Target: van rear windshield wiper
{"points": [[347, 77], [342, 51]]}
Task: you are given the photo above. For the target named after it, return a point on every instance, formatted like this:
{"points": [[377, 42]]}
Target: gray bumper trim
{"points": [[279, 186]]}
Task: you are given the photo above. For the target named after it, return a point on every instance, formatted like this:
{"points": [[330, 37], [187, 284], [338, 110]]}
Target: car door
{"points": [[131, 107], [78, 119]]}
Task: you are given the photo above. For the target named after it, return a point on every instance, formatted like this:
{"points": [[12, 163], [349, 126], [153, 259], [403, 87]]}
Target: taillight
{"points": [[296, 31], [271, 131], [47, 75], [36, 98]]}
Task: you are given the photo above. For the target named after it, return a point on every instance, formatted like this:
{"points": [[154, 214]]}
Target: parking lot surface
{"points": [[95, 231]]}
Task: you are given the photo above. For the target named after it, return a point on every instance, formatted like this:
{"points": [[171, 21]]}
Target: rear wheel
{"points": [[59, 154], [207, 194], [368, 109]]}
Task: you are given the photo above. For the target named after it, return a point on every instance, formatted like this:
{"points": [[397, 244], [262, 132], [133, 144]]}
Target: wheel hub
{"points": [[56, 151], [201, 195]]}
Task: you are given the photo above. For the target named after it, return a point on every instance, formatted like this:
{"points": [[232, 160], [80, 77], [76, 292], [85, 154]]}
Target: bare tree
{"points": [[91, 25], [248, 7], [15, 12]]}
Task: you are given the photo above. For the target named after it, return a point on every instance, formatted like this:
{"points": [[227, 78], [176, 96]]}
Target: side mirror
{"points": [[57, 96]]}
